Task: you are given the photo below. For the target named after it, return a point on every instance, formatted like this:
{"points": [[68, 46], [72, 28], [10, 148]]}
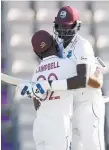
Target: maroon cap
{"points": [[67, 15], [41, 41]]}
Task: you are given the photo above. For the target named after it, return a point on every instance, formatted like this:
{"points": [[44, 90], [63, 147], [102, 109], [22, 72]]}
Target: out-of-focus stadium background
{"points": [[19, 20]]}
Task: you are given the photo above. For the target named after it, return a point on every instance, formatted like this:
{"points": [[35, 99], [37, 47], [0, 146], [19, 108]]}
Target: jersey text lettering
{"points": [[48, 66]]}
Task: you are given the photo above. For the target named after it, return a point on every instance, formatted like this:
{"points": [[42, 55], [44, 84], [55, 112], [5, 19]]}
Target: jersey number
{"points": [[51, 97]]}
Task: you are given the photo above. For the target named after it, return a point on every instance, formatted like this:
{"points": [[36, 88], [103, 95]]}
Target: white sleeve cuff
{"points": [[59, 85]]}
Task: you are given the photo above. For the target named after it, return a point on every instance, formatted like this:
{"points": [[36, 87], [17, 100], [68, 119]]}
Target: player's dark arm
{"points": [[79, 81]]}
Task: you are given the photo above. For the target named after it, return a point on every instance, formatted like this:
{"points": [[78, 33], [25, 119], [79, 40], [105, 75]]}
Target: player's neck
{"points": [[50, 55], [66, 41], [50, 52]]}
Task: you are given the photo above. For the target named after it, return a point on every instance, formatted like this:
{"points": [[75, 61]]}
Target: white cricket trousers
{"points": [[52, 133], [88, 120]]}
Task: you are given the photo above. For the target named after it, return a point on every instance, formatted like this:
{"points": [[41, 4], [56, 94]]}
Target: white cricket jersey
{"points": [[80, 51], [55, 68]]}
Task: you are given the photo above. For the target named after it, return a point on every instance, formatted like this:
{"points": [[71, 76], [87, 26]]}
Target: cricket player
{"points": [[83, 74], [88, 117], [52, 126]]}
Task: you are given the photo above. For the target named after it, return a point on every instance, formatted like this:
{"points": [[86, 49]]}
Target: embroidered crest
{"points": [[69, 54], [63, 14], [43, 44]]}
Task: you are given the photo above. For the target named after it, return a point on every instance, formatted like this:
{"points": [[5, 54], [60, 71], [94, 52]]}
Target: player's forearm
{"points": [[75, 83], [78, 81], [68, 84]]}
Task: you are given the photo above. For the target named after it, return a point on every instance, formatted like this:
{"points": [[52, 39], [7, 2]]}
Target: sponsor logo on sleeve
{"points": [[83, 58]]}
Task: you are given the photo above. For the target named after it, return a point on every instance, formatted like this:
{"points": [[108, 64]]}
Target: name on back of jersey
{"points": [[49, 66]]}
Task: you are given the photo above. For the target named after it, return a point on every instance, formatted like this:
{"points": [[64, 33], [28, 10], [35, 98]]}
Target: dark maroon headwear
{"points": [[41, 41], [67, 15]]}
